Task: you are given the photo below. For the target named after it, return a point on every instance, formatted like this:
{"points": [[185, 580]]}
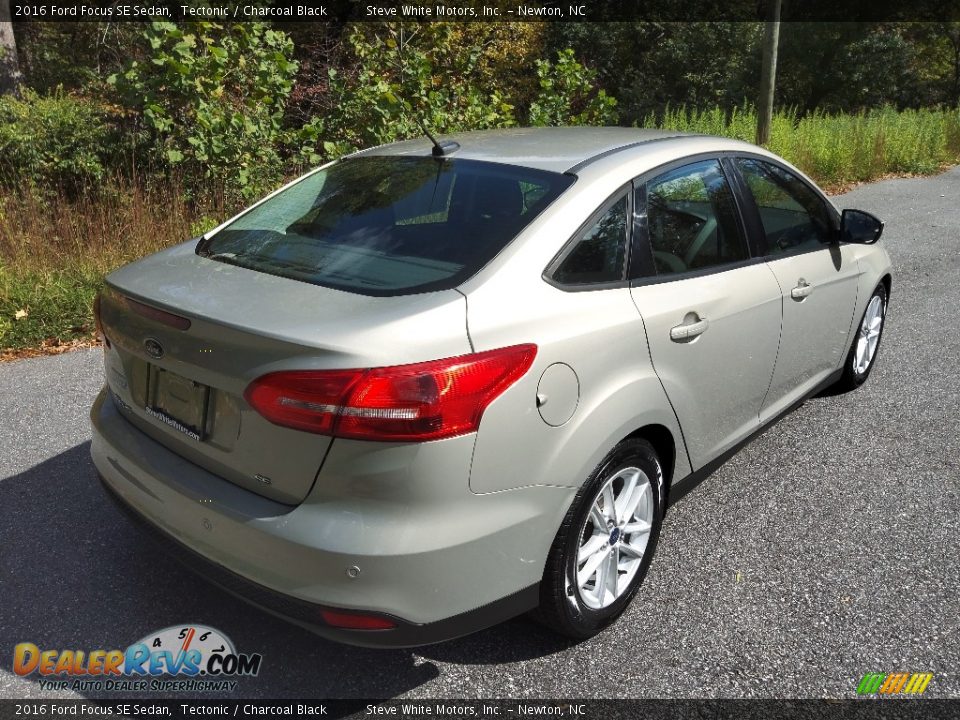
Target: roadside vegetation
{"points": [[838, 149], [123, 139]]}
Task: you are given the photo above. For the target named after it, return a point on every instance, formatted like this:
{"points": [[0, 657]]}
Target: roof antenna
{"points": [[447, 147]]}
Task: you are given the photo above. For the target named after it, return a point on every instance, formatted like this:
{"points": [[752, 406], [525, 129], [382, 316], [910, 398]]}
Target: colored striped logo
{"points": [[894, 683]]}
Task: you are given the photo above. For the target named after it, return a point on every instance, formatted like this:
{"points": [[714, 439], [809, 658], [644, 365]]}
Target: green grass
{"points": [[54, 252], [837, 150], [57, 304]]}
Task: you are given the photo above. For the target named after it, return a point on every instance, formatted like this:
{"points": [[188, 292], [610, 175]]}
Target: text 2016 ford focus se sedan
{"points": [[435, 385]]}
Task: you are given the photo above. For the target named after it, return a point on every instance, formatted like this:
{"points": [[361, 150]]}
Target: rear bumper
{"points": [[436, 559], [308, 615]]}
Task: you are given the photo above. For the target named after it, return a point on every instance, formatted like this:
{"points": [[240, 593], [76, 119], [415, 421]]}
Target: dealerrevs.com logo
{"points": [[187, 658]]}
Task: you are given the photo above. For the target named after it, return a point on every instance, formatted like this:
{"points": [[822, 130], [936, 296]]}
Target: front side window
{"points": [[691, 220], [794, 217], [598, 255], [388, 225]]}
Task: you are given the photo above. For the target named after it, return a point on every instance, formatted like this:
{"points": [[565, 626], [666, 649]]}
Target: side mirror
{"points": [[858, 226]]}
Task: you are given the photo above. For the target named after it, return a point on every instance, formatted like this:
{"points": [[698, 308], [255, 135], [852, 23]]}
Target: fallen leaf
{"points": [[20, 314]]}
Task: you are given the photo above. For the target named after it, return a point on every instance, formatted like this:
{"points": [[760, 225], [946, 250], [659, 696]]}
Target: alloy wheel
{"points": [[869, 335], [614, 537]]}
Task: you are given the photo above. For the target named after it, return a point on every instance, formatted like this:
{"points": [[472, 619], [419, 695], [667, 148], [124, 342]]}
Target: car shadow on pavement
{"points": [[75, 574]]}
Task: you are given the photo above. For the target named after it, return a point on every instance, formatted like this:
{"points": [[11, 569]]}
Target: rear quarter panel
{"points": [[600, 335]]}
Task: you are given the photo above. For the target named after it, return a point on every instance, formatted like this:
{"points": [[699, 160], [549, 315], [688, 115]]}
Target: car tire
{"points": [[578, 604], [862, 357]]}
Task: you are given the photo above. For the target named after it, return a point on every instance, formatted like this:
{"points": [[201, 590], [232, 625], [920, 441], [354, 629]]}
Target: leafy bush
{"points": [[401, 79], [568, 95], [57, 142], [213, 97], [430, 75]]}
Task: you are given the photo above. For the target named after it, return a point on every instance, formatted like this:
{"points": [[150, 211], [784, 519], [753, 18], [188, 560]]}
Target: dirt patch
{"points": [[51, 346]]}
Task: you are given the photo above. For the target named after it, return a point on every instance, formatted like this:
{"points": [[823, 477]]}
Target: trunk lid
{"points": [[184, 387]]}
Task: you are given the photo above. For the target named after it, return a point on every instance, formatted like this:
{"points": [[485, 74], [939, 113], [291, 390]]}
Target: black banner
{"points": [[492, 709], [478, 10]]}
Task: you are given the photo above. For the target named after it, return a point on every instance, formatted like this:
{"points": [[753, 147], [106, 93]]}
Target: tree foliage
{"points": [[838, 67], [451, 78], [238, 106], [569, 94], [212, 99], [405, 77], [648, 66]]}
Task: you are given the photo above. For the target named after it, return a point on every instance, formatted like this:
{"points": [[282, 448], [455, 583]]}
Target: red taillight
{"points": [[424, 401], [306, 400], [354, 621]]}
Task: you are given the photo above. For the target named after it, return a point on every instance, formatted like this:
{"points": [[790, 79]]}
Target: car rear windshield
{"points": [[388, 225]]}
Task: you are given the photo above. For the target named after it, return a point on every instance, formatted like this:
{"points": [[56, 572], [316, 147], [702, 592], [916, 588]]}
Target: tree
{"points": [[933, 70], [569, 96], [950, 33], [212, 99], [845, 67], [405, 76], [649, 66], [10, 75], [77, 56]]}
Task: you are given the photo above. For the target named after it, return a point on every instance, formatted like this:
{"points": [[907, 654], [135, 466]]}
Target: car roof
{"points": [[556, 149]]}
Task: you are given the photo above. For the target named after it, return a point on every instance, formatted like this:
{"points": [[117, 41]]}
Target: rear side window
{"points": [[691, 220], [794, 217], [388, 225], [598, 255]]}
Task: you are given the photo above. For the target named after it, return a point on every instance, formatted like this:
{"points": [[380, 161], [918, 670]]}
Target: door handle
{"points": [[690, 328], [802, 290]]}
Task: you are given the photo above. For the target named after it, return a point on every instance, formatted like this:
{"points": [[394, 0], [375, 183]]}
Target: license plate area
{"points": [[178, 402]]}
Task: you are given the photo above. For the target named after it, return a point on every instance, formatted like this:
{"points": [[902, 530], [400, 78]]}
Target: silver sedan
{"points": [[434, 385]]}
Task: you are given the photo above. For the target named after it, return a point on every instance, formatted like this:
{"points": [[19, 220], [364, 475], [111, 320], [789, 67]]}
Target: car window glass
{"points": [[691, 220], [794, 217], [427, 204], [388, 225], [598, 255]]}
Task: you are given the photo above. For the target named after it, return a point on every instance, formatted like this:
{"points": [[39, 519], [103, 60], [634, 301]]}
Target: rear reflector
{"points": [[353, 621], [423, 401]]}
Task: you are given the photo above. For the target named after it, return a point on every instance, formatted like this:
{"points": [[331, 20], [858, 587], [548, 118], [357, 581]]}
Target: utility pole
{"points": [[768, 74]]}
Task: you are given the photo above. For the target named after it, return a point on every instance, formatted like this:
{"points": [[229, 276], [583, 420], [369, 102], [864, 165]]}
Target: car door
{"points": [[710, 309], [817, 277]]}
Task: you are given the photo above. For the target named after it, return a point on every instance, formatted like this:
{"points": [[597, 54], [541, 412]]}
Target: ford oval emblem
{"points": [[154, 348]]}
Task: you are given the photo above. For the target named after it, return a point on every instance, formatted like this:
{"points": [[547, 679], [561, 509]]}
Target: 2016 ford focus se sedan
{"points": [[431, 386]]}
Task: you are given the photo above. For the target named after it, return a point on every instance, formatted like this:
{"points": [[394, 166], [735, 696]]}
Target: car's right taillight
{"points": [[422, 401]]}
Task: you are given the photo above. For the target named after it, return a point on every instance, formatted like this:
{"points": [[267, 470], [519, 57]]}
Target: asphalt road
{"points": [[826, 549]]}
